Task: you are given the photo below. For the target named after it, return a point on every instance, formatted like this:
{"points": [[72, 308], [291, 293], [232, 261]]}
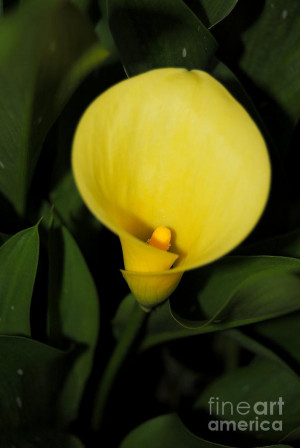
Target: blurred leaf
{"points": [[292, 436], [241, 290], [223, 74], [46, 49], [160, 327], [287, 245], [157, 34], [83, 5], [211, 12], [40, 439], [256, 347], [45, 214], [103, 31], [67, 201], [261, 381], [18, 261], [281, 334], [271, 58], [3, 238], [168, 431], [71, 209], [73, 313], [31, 381]]}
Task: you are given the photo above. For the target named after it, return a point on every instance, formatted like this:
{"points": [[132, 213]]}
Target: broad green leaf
{"points": [[158, 34], [211, 12], [161, 327], [18, 262], [271, 58], [46, 49], [168, 431], [241, 290], [261, 381], [73, 312], [32, 377]]}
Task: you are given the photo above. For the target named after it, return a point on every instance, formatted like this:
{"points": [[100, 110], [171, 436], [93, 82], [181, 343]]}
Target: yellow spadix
{"points": [[165, 158]]}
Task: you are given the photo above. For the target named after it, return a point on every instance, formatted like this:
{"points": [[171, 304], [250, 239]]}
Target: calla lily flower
{"points": [[174, 165]]}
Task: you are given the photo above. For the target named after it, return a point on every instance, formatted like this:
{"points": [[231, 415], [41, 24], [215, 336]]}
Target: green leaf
{"points": [[251, 344], [280, 335], [248, 305], [103, 32], [292, 436], [18, 261], [261, 381], [160, 327], [287, 245], [46, 49], [241, 290], [228, 79], [71, 210], [168, 431], [83, 5], [271, 58], [158, 34], [3, 238], [212, 12], [31, 381], [235, 291], [73, 312]]}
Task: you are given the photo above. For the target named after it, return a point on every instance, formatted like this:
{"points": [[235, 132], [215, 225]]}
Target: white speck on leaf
{"points": [[19, 402], [20, 372], [12, 307], [284, 14], [184, 52], [1, 165]]}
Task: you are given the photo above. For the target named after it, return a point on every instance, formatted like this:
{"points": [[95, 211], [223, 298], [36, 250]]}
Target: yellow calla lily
{"points": [[171, 150]]}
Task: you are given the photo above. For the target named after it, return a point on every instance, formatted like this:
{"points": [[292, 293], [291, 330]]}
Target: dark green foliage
{"points": [[231, 330]]}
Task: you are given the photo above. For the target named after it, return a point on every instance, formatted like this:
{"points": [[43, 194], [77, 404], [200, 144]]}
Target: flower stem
{"points": [[123, 347]]}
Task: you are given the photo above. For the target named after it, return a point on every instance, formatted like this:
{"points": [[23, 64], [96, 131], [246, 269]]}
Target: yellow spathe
{"points": [[171, 149]]}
